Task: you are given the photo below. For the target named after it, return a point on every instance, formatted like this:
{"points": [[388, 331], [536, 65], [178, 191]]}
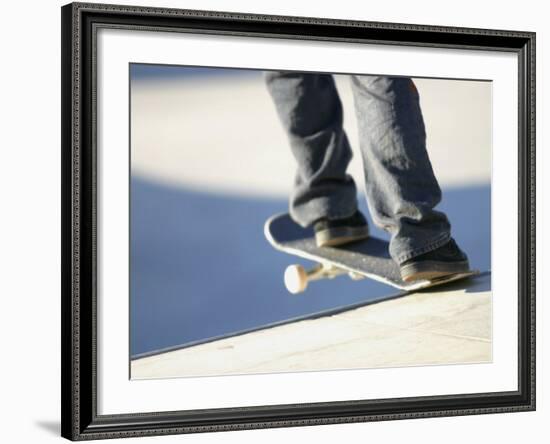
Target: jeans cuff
{"points": [[434, 245], [321, 207]]}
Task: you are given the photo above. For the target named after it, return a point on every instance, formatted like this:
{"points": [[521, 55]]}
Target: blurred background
{"points": [[210, 163]]}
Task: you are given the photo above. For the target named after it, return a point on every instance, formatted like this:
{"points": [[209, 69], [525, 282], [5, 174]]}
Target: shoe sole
{"points": [[340, 236], [430, 270]]}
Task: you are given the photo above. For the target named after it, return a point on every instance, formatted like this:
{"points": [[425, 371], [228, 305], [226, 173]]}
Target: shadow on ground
{"points": [[200, 266], [52, 427]]}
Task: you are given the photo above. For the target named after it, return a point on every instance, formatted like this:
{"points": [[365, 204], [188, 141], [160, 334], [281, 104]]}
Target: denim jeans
{"points": [[400, 184]]}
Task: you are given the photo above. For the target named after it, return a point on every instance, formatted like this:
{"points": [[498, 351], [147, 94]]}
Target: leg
{"points": [[402, 190], [311, 113]]}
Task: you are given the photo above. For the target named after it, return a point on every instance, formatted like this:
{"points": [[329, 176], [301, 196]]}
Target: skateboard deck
{"points": [[367, 258]]}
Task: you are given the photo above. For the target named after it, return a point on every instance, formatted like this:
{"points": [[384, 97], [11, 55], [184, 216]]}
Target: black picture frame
{"points": [[80, 419]]}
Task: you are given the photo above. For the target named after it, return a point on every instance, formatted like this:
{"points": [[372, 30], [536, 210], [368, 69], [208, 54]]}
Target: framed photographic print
{"points": [[273, 221]]}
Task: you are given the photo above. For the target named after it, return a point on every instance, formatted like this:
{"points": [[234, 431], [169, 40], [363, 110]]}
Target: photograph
{"points": [[290, 221]]}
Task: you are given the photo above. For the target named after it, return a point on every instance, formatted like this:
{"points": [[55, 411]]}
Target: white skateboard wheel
{"points": [[295, 279]]}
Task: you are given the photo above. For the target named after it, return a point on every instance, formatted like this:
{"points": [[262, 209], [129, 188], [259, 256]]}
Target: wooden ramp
{"points": [[445, 325]]}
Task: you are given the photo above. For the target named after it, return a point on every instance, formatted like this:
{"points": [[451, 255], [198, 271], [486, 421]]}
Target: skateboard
{"points": [[367, 258]]}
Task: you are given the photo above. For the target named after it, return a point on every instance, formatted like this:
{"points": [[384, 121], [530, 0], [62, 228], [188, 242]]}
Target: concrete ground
{"points": [[446, 325]]}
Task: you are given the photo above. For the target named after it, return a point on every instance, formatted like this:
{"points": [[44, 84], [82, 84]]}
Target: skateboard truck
{"points": [[297, 277]]}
